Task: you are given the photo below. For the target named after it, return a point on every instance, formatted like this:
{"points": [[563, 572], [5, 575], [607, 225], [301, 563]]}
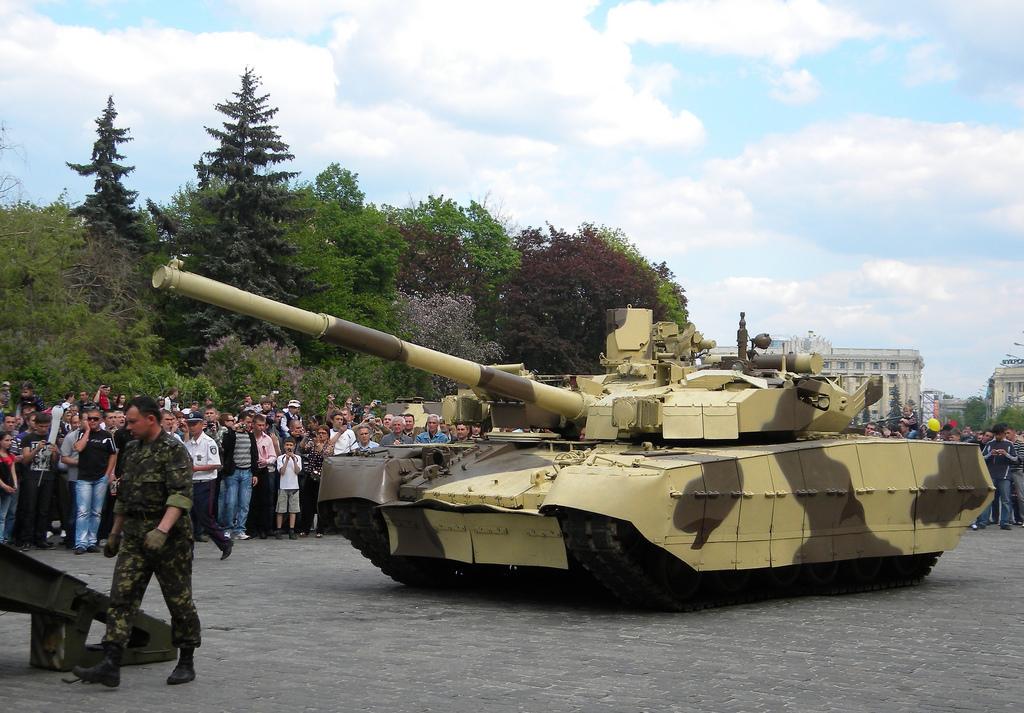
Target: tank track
{"points": [[641, 574], [616, 556], [359, 521]]}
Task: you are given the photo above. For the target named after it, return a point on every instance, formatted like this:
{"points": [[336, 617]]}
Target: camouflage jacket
{"points": [[156, 475]]}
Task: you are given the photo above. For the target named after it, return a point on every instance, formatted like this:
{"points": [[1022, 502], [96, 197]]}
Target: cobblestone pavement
{"points": [[311, 626]]}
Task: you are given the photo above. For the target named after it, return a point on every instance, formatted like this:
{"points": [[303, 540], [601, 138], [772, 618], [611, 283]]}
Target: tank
{"points": [[675, 480]]}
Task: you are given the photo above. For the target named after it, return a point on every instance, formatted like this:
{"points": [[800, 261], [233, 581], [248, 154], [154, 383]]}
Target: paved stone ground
{"points": [[311, 626]]}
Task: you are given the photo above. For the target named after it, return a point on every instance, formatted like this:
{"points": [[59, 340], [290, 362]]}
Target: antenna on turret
{"points": [[741, 337]]}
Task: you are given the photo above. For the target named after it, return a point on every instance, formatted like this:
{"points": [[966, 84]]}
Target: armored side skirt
{"points": [[720, 509], [474, 534]]}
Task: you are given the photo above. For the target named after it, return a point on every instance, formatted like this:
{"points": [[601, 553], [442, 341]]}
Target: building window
{"points": [[876, 366], [842, 365], [893, 366], [859, 365], [827, 365]]}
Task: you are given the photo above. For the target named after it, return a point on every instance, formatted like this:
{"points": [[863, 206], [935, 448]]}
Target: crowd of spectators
{"points": [[258, 466], [264, 462]]}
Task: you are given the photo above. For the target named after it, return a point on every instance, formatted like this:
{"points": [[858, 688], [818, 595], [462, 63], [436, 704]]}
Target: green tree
{"points": [[53, 332], [239, 369], [352, 251], [238, 220], [895, 403], [339, 186], [456, 249], [109, 211], [975, 412], [1012, 416]]}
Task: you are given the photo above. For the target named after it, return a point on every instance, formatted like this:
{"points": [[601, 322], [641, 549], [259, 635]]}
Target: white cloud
{"points": [[425, 97], [779, 31], [795, 87], [303, 18], [537, 66], [977, 42], [926, 65], [885, 178]]}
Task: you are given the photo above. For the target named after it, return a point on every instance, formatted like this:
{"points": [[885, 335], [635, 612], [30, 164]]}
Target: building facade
{"points": [[1006, 385]]}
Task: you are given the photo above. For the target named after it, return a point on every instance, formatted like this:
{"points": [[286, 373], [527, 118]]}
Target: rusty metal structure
{"points": [[675, 479]]}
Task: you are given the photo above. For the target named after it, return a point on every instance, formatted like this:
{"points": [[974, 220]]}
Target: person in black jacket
{"points": [[239, 453]]}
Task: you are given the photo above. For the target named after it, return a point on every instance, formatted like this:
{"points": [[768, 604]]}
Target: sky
{"points": [[851, 168]]}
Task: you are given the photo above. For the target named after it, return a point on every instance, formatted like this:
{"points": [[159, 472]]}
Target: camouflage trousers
{"points": [[172, 565]]}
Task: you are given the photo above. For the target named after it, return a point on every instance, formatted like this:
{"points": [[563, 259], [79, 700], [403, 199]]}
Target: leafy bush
{"points": [[239, 370]]}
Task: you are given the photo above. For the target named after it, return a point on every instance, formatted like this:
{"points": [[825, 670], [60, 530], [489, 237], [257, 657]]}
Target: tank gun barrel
{"points": [[570, 404]]}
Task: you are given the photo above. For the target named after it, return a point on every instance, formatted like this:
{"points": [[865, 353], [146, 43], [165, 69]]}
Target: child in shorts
{"points": [[289, 465]]}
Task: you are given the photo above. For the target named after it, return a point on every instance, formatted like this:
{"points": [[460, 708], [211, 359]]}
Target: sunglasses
{"points": [[92, 418]]}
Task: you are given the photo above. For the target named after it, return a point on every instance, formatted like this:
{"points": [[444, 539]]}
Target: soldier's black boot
{"points": [[185, 671], [107, 671]]}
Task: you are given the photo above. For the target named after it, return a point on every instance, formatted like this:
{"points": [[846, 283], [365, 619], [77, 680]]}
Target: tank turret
{"points": [[655, 386]]}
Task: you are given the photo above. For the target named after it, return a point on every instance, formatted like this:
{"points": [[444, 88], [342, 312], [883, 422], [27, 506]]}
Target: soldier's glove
{"points": [[155, 539], [112, 546]]}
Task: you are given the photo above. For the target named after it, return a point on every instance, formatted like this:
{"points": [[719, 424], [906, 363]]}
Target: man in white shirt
{"points": [[205, 464], [348, 437]]}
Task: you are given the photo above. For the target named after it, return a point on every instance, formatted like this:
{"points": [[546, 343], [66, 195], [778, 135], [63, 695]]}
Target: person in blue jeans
{"points": [[239, 453], [1000, 456], [8, 488], [96, 458]]}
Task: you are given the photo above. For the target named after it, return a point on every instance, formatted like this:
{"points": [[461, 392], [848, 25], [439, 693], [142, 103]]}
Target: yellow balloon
{"points": [[934, 425]]}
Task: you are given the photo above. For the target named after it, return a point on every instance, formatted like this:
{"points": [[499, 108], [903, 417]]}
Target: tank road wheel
{"points": [[729, 581], [819, 574], [862, 570], [680, 579], [901, 567], [783, 577]]}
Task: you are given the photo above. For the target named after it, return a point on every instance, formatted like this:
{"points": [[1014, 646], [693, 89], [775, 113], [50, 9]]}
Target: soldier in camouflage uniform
{"points": [[152, 534]]}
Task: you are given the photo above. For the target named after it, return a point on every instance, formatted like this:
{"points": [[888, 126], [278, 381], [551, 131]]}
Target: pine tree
{"points": [[109, 211], [241, 213], [895, 402]]}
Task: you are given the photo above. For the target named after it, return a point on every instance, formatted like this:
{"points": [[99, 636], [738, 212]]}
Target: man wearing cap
{"points": [[290, 414], [205, 464]]}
